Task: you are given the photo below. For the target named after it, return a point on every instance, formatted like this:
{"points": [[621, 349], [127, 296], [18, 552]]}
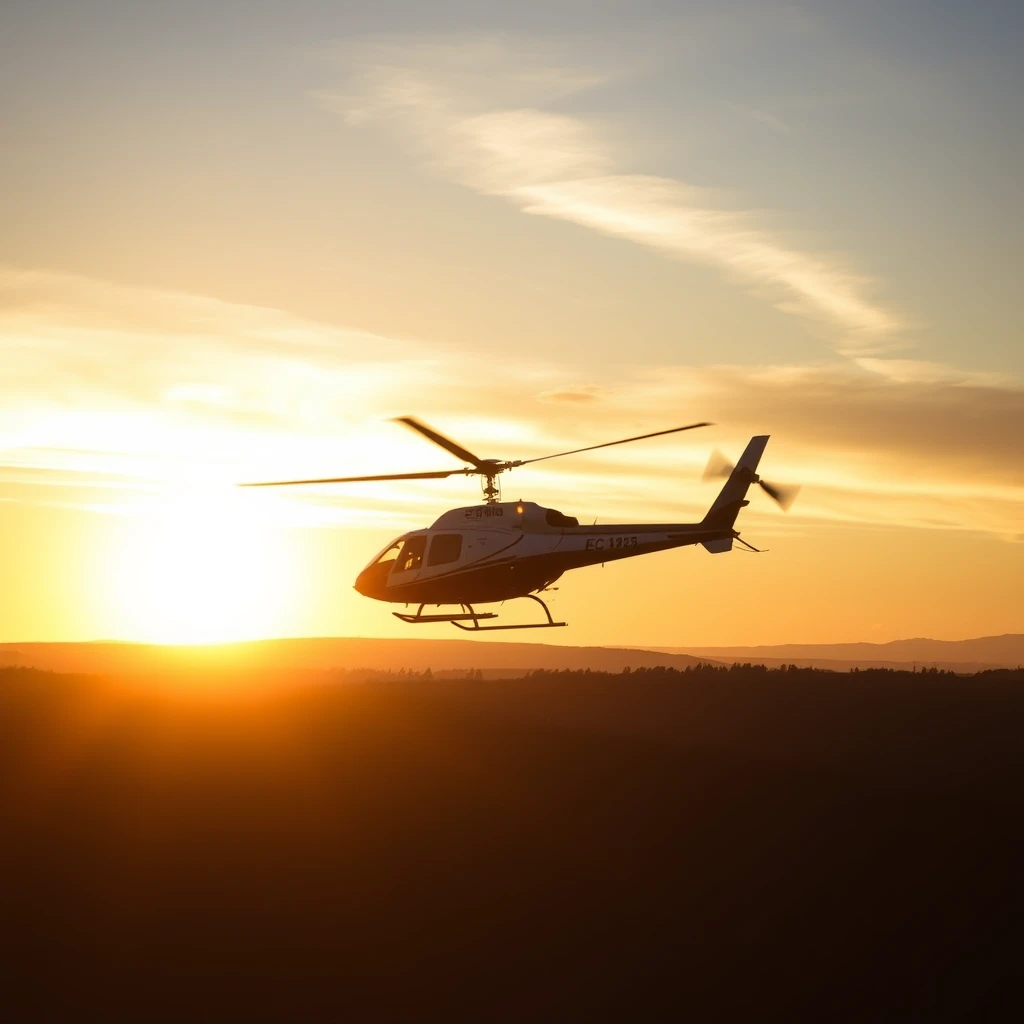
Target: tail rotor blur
{"points": [[720, 468]]}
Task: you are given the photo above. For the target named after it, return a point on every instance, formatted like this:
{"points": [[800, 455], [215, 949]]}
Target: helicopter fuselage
{"points": [[496, 552]]}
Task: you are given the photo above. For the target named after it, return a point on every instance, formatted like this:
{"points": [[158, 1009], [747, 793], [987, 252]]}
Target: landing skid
{"points": [[463, 619]]}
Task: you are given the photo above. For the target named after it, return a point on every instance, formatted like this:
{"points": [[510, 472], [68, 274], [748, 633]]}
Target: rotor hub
{"points": [[491, 488]]}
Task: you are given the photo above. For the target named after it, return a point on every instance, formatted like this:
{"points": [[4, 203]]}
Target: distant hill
{"points": [[321, 654], [1006, 651], [497, 659]]}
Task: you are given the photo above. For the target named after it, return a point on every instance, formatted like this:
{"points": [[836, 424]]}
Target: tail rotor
{"points": [[720, 468]]}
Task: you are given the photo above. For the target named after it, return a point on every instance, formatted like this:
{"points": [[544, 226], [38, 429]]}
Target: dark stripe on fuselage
{"points": [[478, 584], [484, 582]]}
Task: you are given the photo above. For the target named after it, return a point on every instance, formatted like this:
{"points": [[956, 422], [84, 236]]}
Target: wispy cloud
{"points": [[182, 397], [917, 371], [577, 394], [70, 344], [925, 454], [483, 113], [107, 386]]}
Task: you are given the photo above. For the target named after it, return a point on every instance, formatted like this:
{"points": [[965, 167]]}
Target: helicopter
{"points": [[500, 551]]}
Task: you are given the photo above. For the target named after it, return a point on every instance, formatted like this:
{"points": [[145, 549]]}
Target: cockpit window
{"points": [[411, 556]]}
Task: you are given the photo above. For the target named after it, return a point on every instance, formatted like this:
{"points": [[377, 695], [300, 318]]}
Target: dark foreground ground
{"points": [[716, 845]]}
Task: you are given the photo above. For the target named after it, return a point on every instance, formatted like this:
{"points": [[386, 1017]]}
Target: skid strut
{"points": [[470, 619]]}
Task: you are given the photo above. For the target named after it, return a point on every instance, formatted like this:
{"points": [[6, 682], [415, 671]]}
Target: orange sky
{"points": [[533, 240]]}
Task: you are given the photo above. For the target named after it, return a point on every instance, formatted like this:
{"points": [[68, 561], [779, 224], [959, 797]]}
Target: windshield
{"points": [[389, 554]]}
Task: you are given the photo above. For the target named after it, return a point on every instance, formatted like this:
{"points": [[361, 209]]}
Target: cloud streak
{"points": [[479, 112], [173, 400]]}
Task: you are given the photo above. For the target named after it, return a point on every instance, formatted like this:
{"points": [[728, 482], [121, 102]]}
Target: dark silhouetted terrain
{"points": [[713, 844]]}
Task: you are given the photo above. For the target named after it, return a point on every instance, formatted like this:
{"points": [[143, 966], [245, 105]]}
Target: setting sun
{"points": [[200, 569]]}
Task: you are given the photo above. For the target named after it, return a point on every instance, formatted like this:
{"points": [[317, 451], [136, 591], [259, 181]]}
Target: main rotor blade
{"points": [[457, 450], [363, 479], [608, 444]]}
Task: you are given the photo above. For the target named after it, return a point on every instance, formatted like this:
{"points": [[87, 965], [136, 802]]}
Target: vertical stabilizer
{"points": [[733, 496]]}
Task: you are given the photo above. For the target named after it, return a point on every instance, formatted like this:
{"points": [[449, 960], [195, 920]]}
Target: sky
{"points": [[239, 238]]}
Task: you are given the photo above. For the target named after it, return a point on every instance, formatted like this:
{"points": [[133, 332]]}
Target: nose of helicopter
{"points": [[371, 581]]}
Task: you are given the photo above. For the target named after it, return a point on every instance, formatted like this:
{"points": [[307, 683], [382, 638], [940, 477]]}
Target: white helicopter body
{"points": [[499, 551]]}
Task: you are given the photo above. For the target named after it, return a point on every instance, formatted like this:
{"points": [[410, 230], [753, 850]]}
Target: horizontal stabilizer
{"points": [[717, 546]]}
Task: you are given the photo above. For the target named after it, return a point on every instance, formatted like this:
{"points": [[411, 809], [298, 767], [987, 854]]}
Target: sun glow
{"points": [[202, 569]]}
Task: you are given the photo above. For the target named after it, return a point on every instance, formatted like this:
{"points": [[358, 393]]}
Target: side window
{"points": [[445, 547], [412, 554]]}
